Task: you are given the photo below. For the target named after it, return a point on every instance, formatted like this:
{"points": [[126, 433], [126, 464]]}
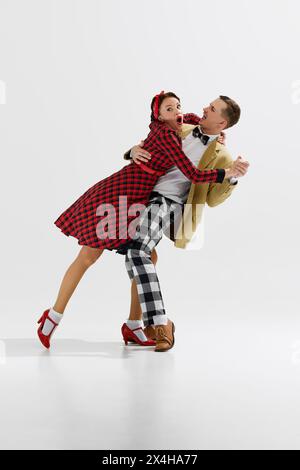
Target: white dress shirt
{"points": [[173, 184]]}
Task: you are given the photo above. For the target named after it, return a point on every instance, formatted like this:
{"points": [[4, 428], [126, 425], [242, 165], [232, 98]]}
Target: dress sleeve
{"points": [[170, 145], [191, 118]]}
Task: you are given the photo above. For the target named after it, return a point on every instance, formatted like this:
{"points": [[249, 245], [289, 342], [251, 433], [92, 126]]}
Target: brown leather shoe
{"points": [[164, 336], [150, 332]]}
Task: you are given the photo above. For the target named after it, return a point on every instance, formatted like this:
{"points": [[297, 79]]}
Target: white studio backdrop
{"points": [[77, 79]]}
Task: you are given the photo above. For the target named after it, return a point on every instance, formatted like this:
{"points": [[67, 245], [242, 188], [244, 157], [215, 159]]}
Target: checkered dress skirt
{"points": [[99, 218]]}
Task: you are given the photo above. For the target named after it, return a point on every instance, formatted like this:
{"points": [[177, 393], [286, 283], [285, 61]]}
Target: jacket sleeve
{"points": [[191, 118], [127, 155], [169, 144], [218, 193]]}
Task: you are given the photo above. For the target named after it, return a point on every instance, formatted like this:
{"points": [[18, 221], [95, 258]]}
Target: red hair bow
{"points": [[156, 107]]}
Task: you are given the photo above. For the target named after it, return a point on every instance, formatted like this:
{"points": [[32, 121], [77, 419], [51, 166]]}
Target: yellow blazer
{"points": [[213, 194]]}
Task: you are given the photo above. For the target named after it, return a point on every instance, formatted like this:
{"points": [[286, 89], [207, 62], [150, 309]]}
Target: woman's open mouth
{"points": [[179, 119]]}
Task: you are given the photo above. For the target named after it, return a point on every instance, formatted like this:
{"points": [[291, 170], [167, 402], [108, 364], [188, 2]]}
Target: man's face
{"points": [[212, 116]]}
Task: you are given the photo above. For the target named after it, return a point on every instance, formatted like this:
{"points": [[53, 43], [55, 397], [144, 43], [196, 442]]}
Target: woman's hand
{"points": [[238, 168], [138, 154], [222, 138]]}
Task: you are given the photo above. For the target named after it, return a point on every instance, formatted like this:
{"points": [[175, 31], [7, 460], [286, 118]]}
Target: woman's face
{"points": [[170, 113]]}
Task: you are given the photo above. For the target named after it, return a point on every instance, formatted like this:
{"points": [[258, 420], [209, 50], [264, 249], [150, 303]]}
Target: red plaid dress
{"points": [[102, 216]]}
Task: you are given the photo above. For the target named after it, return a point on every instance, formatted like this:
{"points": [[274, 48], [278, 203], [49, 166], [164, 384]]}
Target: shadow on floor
{"points": [[30, 347]]}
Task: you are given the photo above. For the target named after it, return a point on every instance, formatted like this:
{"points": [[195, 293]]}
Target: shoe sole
{"points": [[164, 350]]}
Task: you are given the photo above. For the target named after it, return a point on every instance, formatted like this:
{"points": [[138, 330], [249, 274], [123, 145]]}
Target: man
{"points": [[174, 190]]}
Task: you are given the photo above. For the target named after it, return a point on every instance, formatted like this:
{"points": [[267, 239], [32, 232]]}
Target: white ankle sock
{"points": [[48, 325], [133, 324], [160, 320]]}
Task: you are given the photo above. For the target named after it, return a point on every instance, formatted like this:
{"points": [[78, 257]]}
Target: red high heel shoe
{"points": [[45, 339], [129, 335]]}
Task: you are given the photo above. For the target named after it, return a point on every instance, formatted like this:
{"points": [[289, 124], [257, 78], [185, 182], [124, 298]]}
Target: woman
{"points": [[89, 216]]}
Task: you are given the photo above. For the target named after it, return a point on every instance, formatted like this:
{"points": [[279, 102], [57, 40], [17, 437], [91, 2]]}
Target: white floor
{"points": [[230, 382]]}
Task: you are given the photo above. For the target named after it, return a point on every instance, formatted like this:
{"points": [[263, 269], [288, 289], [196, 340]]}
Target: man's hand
{"points": [[222, 138], [239, 168], [138, 154]]}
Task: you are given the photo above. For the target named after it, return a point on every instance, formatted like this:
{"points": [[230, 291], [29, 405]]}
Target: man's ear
{"points": [[224, 124]]}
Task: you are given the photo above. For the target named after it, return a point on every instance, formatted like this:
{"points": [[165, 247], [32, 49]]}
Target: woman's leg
{"points": [[135, 308], [86, 257]]}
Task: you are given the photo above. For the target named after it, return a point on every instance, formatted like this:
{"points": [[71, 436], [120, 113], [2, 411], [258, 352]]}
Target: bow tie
{"points": [[197, 133]]}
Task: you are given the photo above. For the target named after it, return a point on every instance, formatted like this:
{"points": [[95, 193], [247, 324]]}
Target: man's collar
{"points": [[211, 136]]}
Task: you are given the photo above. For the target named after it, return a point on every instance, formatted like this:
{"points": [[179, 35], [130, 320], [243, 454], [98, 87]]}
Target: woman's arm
{"points": [[169, 144], [191, 118]]}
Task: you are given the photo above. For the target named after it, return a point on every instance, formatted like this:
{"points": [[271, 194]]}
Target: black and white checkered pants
{"points": [[154, 221]]}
